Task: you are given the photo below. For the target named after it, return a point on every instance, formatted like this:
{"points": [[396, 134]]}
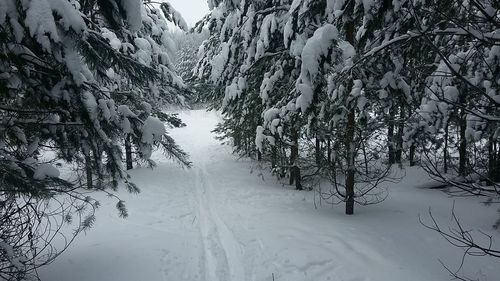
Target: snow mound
{"points": [[152, 130]]}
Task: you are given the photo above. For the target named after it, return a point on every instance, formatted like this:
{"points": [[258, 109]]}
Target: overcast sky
{"points": [[191, 10]]}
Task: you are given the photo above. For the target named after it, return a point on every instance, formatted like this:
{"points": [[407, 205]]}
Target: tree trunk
{"points": [[128, 153], [365, 157], [318, 151], [390, 136], [245, 147], [274, 153], [294, 155], [399, 136], [493, 161], [496, 170], [329, 152], [351, 125], [88, 171], [412, 155], [446, 133], [283, 161], [462, 149], [349, 182]]}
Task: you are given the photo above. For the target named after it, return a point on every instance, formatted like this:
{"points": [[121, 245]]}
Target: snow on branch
{"points": [[174, 16]]}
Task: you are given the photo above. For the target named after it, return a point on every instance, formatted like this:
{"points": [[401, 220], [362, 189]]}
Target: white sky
{"points": [[191, 10]]}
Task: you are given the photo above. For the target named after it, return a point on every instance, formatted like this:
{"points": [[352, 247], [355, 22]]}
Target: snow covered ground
{"points": [[221, 221]]}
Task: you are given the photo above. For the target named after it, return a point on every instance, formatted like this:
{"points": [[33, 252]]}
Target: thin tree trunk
{"points": [[88, 171], [493, 161], [283, 160], [365, 157], [274, 153], [351, 125], [128, 153], [390, 136], [298, 182], [245, 147], [294, 155], [446, 132], [399, 137], [349, 182], [496, 170], [318, 151], [462, 149], [412, 155], [329, 152]]}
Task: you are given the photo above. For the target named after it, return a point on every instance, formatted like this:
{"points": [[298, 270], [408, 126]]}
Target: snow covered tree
{"points": [[187, 47], [355, 83], [77, 78], [246, 42], [152, 47], [447, 53], [369, 89], [358, 81], [459, 91], [288, 51], [185, 60]]}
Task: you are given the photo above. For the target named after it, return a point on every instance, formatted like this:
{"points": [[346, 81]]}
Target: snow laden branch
{"points": [[296, 86], [173, 16], [81, 82]]}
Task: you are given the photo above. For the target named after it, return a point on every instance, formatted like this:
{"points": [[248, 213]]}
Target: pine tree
{"points": [[364, 76], [368, 78], [77, 80], [289, 49], [186, 57]]}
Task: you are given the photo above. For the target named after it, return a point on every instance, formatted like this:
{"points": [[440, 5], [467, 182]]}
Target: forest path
{"points": [[216, 234], [226, 220], [222, 251]]}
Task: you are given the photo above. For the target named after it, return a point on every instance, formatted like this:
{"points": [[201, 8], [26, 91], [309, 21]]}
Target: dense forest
{"points": [[340, 89], [331, 97]]}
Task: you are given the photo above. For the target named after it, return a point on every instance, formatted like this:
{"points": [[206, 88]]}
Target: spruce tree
{"points": [[77, 80]]}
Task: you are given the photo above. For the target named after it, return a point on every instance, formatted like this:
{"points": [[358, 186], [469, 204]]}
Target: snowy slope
{"points": [[225, 220]]}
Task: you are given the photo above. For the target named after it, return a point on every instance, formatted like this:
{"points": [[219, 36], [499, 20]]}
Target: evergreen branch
{"points": [[102, 56]]}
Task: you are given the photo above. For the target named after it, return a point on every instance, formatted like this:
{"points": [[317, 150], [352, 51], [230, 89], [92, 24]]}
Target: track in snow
{"points": [[219, 222], [225, 264]]}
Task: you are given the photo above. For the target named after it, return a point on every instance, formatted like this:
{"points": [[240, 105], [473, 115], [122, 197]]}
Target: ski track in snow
{"points": [[216, 234], [223, 220]]}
